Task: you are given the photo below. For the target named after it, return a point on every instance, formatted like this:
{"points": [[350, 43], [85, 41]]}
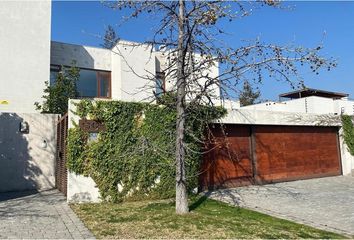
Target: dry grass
{"points": [[208, 219]]}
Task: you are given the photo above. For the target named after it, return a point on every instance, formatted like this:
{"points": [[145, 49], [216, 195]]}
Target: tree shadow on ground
{"points": [[198, 202], [13, 195]]}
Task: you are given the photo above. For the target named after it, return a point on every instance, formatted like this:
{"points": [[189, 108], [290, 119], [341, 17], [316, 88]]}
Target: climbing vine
{"points": [[348, 132], [134, 157]]}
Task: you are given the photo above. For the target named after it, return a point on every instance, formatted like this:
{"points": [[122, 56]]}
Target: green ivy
{"points": [[76, 150], [134, 157], [348, 132]]}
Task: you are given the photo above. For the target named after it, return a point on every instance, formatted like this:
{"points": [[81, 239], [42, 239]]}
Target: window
{"points": [[104, 84], [91, 83], [94, 84], [86, 86], [160, 83], [54, 70]]}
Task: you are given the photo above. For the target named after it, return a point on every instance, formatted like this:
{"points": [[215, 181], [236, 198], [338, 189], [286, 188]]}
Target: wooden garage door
{"points": [[227, 161], [265, 154], [288, 153]]}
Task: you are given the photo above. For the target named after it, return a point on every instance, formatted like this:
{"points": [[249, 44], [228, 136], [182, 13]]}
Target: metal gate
{"points": [[60, 167]]}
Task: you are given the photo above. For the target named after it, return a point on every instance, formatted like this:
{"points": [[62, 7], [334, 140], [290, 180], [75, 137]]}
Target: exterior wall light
{"points": [[24, 127], [44, 144], [342, 110]]}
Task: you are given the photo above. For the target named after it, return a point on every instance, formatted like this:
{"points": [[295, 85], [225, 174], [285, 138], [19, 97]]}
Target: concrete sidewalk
{"points": [[44, 215]]}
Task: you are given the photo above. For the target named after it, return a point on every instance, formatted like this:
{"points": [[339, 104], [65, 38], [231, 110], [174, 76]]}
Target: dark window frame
{"points": [[99, 77], [58, 68]]}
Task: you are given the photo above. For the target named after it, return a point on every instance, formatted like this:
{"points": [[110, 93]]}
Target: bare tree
{"points": [[189, 32]]}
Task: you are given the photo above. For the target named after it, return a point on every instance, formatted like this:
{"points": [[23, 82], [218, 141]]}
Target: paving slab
{"points": [[325, 203], [39, 215]]}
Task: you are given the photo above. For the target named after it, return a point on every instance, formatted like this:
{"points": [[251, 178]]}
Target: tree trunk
{"points": [[181, 185]]}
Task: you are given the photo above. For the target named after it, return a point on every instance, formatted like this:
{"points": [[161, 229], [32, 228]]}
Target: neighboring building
{"points": [[25, 53], [309, 101]]}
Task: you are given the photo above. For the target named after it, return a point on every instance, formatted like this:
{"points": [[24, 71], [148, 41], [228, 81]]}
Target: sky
{"points": [[303, 23]]}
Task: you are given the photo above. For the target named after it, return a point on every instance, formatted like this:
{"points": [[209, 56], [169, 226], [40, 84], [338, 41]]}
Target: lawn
{"points": [[208, 219]]}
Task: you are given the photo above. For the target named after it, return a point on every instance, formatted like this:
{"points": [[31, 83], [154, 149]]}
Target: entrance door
{"points": [[60, 168]]}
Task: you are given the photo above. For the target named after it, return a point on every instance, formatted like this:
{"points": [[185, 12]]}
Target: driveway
{"points": [[39, 215], [326, 203]]}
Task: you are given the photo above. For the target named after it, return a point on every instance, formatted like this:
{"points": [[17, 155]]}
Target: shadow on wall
{"points": [[65, 54], [17, 168], [316, 120], [227, 158]]}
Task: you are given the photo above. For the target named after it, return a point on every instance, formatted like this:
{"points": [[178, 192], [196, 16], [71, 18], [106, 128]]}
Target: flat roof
{"points": [[307, 92]]}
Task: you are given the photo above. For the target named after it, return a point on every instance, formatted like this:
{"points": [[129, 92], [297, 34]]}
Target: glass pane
{"points": [[104, 88], [53, 77], [87, 84], [54, 70], [159, 86]]}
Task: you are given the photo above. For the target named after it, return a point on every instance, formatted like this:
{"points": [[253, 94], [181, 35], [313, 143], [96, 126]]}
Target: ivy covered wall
{"points": [[348, 132], [134, 156]]}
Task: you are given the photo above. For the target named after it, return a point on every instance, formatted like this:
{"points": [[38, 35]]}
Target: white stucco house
{"points": [[118, 74]]}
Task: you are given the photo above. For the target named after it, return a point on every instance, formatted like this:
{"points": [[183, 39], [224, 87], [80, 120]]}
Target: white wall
{"points": [[320, 105], [313, 104], [82, 189], [79, 187], [346, 157], [296, 105], [116, 75], [346, 105], [165, 65], [230, 104], [85, 57], [251, 116], [24, 49], [27, 160], [132, 67]]}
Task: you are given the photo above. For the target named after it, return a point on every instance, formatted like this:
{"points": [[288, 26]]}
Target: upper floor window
{"points": [[94, 84], [91, 83]]}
